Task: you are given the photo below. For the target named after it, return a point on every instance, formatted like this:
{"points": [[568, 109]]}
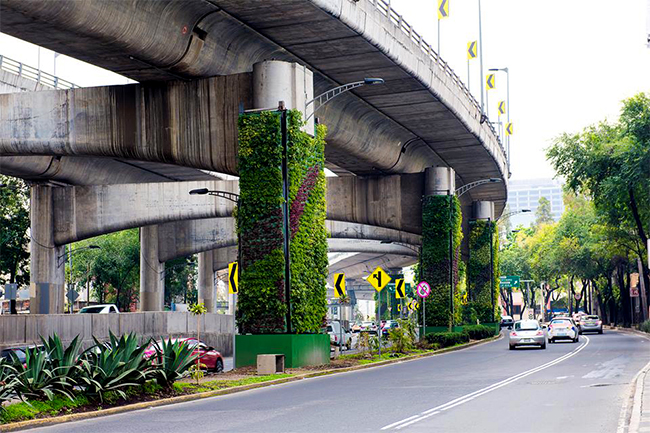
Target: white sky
{"points": [[571, 62]]}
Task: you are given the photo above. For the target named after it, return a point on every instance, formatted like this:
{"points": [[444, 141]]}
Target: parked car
{"points": [[369, 326], [527, 333], [590, 324], [390, 324], [357, 327], [208, 356], [19, 352], [99, 309], [562, 328], [339, 337], [507, 322]]}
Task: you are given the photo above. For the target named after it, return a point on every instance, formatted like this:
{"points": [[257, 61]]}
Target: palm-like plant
{"points": [[63, 363], [113, 366], [7, 377], [35, 379], [173, 360]]}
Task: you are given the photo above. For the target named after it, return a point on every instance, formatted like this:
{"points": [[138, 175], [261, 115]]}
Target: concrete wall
{"points": [[25, 329]]}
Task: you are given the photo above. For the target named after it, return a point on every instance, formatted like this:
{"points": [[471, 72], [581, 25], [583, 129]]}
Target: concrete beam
{"points": [[362, 265], [187, 123]]}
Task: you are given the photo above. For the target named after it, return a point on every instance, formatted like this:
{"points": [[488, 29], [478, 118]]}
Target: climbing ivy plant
{"points": [[479, 269], [440, 213], [262, 301]]}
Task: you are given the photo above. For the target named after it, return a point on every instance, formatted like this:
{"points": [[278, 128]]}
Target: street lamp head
{"points": [[94, 247], [495, 179], [526, 210], [373, 81], [199, 191]]}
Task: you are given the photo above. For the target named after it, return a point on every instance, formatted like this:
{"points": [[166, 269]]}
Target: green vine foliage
{"points": [[262, 303], [440, 213], [479, 269]]}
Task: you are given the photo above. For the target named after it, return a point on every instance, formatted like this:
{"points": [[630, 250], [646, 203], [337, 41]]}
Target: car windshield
{"points": [[527, 325], [590, 318], [329, 328], [91, 310], [560, 322]]}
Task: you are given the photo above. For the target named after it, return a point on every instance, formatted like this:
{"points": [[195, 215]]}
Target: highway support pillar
{"points": [[47, 260], [152, 272], [482, 282], [441, 240], [206, 280]]}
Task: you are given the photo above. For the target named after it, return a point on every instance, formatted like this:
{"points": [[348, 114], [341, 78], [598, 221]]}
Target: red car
{"points": [[208, 356]]}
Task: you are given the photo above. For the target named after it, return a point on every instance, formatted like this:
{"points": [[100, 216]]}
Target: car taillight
{"points": [[540, 332], [599, 322], [513, 334]]}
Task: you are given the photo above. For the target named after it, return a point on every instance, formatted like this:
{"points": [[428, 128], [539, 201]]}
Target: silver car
{"points": [[590, 324], [527, 333]]}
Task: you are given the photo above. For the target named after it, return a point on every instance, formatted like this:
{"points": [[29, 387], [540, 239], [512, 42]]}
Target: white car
{"points": [[99, 309], [338, 337], [562, 328]]}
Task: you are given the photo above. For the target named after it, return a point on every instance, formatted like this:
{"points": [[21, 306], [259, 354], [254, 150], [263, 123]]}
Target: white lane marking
{"points": [[471, 396]]}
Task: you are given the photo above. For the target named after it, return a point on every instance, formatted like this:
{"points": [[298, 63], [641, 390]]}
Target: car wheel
{"points": [[543, 346], [218, 367], [600, 332], [511, 347]]}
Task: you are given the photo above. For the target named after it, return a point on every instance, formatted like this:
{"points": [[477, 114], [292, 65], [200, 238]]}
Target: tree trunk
{"points": [[621, 270]]}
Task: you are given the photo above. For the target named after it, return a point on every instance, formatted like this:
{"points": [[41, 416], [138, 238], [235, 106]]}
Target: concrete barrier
{"points": [[26, 329]]}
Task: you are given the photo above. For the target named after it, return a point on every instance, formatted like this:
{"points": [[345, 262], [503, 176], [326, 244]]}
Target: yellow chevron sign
{"points": [[491, 82], [509, 129], [233, 278], [339, 285], [399, 289], [443, 9], [502, 107], [471, 50]]}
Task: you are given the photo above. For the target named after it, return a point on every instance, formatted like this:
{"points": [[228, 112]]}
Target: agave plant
{"points": [[7, 376], [172, 361], [63, 363], [36, 379], [114, 366]]}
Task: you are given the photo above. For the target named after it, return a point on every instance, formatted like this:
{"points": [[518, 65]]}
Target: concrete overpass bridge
{"points": [[196, 65]]}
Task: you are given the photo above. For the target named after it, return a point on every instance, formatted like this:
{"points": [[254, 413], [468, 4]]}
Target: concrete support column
{"points": [[152, 272], [483, 210], [439, 181], [207, 289], [275, 80], [482, 282], [47, 264]]}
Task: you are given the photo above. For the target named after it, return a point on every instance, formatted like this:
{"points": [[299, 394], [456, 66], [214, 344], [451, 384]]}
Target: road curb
{"points": [[42, 422]]}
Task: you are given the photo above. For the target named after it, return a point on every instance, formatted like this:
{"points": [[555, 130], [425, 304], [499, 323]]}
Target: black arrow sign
{"points": [[231, 278], [443, 12], [338, 285], [399, 289]]}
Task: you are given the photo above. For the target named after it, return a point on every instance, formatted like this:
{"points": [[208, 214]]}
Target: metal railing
{"points": [[385, 8], [31, 73]]}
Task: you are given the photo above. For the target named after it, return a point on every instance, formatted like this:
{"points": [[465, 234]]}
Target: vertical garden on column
{"points": [[262, 303], [440, 214], [484, 301]]}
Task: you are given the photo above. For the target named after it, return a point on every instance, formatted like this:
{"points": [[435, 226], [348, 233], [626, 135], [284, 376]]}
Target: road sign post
{"points": [[378, 279], [233, 289], [423, 290]]}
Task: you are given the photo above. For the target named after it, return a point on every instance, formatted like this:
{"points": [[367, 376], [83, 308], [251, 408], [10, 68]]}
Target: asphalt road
{"points": [[577, 387]]}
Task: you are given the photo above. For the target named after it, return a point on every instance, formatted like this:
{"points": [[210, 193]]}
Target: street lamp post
{"points": [[325, 97], [459, 192], [507, 71], [68, 256]]}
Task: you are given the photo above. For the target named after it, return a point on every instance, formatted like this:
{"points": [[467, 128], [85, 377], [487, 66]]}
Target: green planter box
{"points": [[299, 349]]}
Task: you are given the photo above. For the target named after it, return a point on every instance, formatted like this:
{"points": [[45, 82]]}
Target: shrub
{"points": [[7, 375], [479, 332], [35, 380], [645, 326], [172, 361], [402, 338], [63, 363], [447, 339], [115, 365]]}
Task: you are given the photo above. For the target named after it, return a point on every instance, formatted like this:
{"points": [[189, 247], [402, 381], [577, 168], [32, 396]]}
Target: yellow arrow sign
{"points": [[399, 289], [491, 83], [378, 279], [233, 278], [471, 50], [443, 9], [414, 305], [509, 128], [339, 285], [502, 108], [464, 299]]}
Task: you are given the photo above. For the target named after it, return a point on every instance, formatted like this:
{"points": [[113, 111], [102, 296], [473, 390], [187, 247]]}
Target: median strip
{"points": [[15, 426]]}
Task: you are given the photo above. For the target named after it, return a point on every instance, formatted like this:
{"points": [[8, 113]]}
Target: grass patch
{"points": [[213, 385], [35, 409]]}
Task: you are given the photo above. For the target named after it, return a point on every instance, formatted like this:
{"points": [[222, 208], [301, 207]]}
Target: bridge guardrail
{"points": [[31, 73], [384, 7]]}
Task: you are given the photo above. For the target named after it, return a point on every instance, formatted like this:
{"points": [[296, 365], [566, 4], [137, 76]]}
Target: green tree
{"points": [[114, 269], [180, 280], [14, 223], [610, 164], [543, 213]]}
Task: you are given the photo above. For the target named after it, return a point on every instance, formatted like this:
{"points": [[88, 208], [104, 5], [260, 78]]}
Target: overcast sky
{"points": [[571, 62]]}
